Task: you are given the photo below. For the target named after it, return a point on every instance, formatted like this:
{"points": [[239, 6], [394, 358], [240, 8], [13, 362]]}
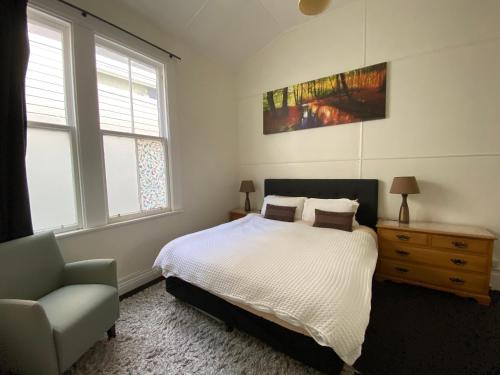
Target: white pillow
{"points": [[279, 200], [335, 205]]}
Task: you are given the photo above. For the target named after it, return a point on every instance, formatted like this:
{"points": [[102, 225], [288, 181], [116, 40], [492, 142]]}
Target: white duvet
{"points": [[316, 278]]}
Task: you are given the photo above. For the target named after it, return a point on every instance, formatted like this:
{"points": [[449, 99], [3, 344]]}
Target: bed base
{"points": [[296, 345]]}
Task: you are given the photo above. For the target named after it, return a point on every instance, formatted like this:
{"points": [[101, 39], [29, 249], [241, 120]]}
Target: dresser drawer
{"points": [[434, 276], [460, 243], [403, 236], [438, 258]]}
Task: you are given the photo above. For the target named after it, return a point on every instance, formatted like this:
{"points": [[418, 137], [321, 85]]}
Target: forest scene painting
{"points": [[353, 96]]}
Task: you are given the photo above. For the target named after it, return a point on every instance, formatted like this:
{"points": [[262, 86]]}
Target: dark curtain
{"points": [[15, 216]]}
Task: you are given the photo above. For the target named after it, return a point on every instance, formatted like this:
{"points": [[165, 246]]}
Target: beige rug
{"points": [[157, 334]]}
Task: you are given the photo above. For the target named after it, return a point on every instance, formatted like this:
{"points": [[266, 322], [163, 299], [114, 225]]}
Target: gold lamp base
{"points": [[404, 185], [247, 204], [404, 212]]}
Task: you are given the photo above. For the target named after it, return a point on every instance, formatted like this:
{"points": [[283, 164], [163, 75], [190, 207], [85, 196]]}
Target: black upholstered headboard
{"points": [[365, 191]]}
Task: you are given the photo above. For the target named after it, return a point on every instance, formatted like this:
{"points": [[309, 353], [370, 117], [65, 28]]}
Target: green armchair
{"points": [[51, 312]]}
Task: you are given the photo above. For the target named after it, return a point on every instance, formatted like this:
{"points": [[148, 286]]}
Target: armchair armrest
{"points": [[26, 338], [94, 271]]}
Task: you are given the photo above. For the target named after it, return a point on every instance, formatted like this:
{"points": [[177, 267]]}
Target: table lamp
{"points": [[404, 186], [247, 187]]}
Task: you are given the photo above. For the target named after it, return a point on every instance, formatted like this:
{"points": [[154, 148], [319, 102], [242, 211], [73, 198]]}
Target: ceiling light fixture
{"points": [[313, 7]]}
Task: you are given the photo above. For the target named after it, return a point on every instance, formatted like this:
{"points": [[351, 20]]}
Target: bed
{"points": [[296, 302]]}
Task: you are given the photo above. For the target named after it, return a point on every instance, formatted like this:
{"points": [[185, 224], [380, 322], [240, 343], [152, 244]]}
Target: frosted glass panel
{"points": [[152, 174], [45, 101], [113, 88], [145, 99], [121, 175], [50, 179]]}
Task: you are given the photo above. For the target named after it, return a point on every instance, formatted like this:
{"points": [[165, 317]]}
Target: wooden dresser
{"points": [[446, 257]]}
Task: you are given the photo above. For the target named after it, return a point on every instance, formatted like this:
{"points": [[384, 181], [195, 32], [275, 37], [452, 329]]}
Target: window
{"points": [[96, 149], [51, 148], [133, 129]]}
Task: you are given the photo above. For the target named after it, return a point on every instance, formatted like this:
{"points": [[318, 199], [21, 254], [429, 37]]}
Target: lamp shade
{"points": [[247, 186], [404, 185]]}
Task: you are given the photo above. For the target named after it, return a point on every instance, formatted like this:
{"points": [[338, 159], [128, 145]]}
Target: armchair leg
{"points": [[112, 332]]}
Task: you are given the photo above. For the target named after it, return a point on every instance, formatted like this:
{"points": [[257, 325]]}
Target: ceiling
{"points": [[228, 31]]}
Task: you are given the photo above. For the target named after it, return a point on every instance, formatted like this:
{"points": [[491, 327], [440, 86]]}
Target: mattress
{"points": [[315, 281], [274, 318]]}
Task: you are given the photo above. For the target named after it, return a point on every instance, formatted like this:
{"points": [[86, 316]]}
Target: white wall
{"points": [[443, 97], [204, 144]]}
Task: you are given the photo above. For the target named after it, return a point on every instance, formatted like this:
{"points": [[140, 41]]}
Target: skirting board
{"points": [[136, 279]]}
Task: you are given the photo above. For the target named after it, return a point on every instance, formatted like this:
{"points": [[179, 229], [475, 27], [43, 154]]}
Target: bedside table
{"points": [[446, 257], [238, 213]]}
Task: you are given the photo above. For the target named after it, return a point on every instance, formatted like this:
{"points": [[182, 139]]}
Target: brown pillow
{"points": [[335, 220], [281, 213]]}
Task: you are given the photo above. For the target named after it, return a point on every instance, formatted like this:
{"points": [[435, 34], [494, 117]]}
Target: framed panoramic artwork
{"points": [[343, 98]]}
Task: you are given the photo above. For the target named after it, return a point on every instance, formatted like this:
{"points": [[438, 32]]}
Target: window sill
{"points": [[78, 232]]}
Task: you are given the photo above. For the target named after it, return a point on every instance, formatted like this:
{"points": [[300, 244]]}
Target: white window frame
{"points": [[45, 19], [163, 136]]}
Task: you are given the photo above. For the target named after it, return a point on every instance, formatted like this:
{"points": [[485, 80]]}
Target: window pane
{"points": [[50, 179], [128, 93], [145, 98], [45, 100], [129, 103], [121, 175], [113, 87], [151, 156]]}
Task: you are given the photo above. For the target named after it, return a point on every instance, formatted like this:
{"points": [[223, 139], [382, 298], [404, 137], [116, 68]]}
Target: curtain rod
{"points": [[85, 13]]}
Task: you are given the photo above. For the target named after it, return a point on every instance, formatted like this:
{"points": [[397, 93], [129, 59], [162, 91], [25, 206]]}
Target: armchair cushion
{"points": [[94, 271], [78, 314]]}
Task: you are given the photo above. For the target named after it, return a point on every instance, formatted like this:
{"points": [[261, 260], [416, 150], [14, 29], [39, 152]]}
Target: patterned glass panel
{"points": [[152, 181]]}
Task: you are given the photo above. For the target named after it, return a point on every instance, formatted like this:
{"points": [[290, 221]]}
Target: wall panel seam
{"points": [[372, 158], [444, 156], [299, 162], [361, 125], [442, 49], [401, 58]]}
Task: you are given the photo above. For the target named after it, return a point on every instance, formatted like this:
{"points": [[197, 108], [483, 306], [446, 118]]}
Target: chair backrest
{"points": [[30, 267]]}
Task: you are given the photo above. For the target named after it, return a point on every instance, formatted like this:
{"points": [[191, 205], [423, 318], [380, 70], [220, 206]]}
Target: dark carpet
{"points": [[417, 331]]}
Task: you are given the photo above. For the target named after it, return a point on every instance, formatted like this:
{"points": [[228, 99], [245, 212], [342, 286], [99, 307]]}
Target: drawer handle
{"points": [[457, 280], [459, 244], [403, 237], [402, 253], [458, 262], [401, 269]]}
